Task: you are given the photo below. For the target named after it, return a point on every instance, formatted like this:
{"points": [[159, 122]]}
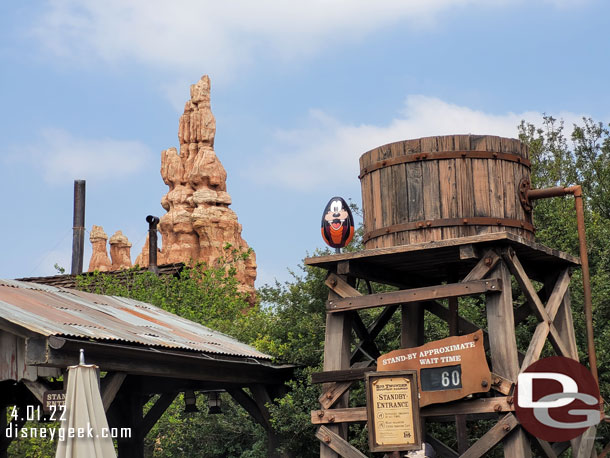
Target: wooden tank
{"points": [[438, 188]]}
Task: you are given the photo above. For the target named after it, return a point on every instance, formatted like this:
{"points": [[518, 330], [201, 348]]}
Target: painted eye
{"points": [[336, 206]]}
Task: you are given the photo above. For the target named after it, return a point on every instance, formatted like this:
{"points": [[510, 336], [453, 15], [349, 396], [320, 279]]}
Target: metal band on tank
{"points": [[439, 155], [448, 222]]}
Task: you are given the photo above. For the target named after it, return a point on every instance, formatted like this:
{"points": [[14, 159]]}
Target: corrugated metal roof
{"points": [[49, 310]]}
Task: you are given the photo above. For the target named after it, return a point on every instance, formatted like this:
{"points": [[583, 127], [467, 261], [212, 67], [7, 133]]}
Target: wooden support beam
{"points": [[337, 356], [412, 325], [492, 437], [335, 442], [114, 357], [468, 252], [415, 295], [442, 450], [384, 317], [502, 384], [586, 444], [546, 328], [356, 372], [110, 386], [333, 416], [155, 412], [334, 391], [37, 388], [244, 400], [483, 267], [468, 407], [340, 286], [546, 448], [367, 344], [503, 350]]}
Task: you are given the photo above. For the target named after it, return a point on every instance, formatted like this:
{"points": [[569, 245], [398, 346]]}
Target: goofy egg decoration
{"points": [[337, 223]]}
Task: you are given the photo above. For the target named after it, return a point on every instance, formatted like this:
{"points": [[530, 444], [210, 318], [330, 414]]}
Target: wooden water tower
{"points": [[446, 217]]}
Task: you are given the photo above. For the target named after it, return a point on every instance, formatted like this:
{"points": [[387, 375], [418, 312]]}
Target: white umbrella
{"points": [[85, 428]]}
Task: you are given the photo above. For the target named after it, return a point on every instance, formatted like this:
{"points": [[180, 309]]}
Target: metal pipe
{"points": [[152, 243], [557, 191], [78, 228], [576, 191]]}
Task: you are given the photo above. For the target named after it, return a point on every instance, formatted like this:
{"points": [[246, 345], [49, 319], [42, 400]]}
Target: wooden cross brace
{"points": [[546, 315]]}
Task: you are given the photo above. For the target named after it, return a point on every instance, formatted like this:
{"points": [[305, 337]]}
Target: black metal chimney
{"points": [[152, 243], [78, 228]]}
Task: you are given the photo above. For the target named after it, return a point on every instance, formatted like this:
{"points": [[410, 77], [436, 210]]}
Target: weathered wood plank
{"points": [[110, 386], [432, 203], [340, 286], [480, 187], [37, 388], [347, 375], [155, 412], [468, 252], [442, 450], [331, 440], [415, 295], [502, 384], [492, 437], [334, 391], [503, 351], [349, 415], [483, 267], [415, 197], [336, 357], [374, 329], [468, 407], [546, 448], [495, 237], [411, 325]]}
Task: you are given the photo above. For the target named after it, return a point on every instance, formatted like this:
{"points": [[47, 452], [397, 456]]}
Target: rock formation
{"points": [[198, 223], [120, 251], [99, 257]]}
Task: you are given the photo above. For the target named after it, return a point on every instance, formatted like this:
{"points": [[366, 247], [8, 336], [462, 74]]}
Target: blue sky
{"points": [[93, 90]]}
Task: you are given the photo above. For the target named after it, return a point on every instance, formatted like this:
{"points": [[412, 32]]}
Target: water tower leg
{"points": [[336, 357], [503, 350]]}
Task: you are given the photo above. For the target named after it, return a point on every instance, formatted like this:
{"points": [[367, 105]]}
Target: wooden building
{"points": [[444, 218], [143, 350]]}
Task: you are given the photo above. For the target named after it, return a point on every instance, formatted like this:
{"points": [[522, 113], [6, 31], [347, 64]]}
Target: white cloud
{"points": [[61, 157], [328, 150], [222, 36]]}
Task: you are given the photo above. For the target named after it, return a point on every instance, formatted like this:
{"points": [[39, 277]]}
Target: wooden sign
{"points": [[54, 401], [393, 411], [447, 369]]}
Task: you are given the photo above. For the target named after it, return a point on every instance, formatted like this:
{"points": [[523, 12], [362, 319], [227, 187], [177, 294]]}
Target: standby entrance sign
{"points": [[393, 411], [447, 369]]}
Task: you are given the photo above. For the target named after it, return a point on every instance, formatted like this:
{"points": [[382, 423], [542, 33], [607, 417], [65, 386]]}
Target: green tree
{"points": [[582, 159]]}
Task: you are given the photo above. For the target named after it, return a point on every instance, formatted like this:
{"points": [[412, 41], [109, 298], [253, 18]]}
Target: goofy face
{"points": [[337, 223]]}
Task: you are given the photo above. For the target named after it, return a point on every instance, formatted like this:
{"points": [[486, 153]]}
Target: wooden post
{"points": [[412, 325], [336, 357], [503, 349], [129, 411]]}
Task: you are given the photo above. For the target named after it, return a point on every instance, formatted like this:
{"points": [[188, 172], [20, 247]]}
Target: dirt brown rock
{"points": [[199, 223], [120, 251], [99, 256]]}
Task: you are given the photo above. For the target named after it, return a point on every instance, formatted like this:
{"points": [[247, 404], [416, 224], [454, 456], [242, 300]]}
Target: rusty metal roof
{"points": [[54, 311]]}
